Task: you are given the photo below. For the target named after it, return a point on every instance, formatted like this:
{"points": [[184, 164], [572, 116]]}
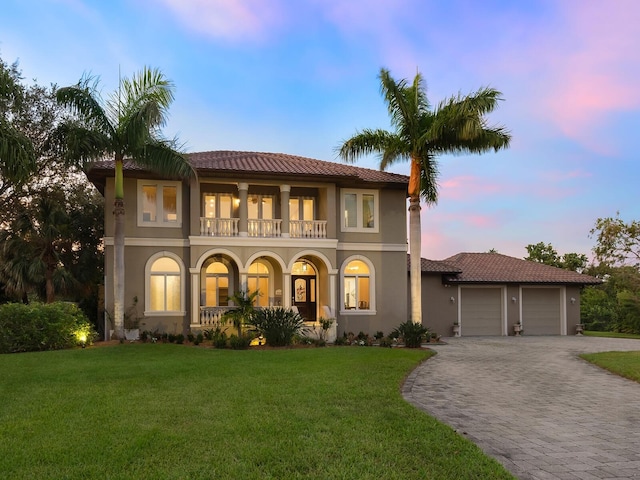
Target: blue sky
{"points": [[300, 76]]}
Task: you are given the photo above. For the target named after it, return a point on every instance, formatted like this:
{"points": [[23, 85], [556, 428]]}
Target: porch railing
{"points": [[308, 228], [265, 228], [219, 227], [212, 315]]}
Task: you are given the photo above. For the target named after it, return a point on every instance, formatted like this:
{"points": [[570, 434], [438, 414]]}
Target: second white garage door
{"points": [[481, 311]]}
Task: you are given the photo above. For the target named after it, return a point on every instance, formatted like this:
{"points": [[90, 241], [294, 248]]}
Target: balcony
{"points": [[229, 227]]}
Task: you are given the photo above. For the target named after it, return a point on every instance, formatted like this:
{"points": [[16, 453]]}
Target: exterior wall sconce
{"points": [[452, 300], [573, 300], [514, 299]]}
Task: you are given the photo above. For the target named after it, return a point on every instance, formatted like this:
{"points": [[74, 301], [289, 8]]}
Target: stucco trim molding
{"points": [[150, 242], [373, 247]]}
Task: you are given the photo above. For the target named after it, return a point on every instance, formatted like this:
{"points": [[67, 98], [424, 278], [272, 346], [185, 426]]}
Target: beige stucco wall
{"points": [[328, 256], [439, 312]]}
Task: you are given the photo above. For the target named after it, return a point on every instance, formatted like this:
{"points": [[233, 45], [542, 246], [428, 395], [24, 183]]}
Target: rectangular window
{"points": [[169, 204], [360, 211], [350, 210], [218, 205], [149, 208], [159, 204], [260, 207]]}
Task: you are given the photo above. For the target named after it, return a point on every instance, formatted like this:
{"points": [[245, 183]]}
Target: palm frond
{"points": [[161, 156], [84, 101], [365, 143], [17, 155]]}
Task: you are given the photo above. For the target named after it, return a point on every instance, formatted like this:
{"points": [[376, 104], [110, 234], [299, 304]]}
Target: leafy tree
{"points": [[17, 156], [126, 126], [546, 254], [457, 125], [618, 242], [31, 110]]}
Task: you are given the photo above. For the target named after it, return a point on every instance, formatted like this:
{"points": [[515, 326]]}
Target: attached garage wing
{"points": [[481, 311], [541, 311]]}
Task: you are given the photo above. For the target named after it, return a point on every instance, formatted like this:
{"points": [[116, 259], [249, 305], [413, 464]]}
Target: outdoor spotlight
{"points": [[513, 299], [573, 300], [452, 300]]}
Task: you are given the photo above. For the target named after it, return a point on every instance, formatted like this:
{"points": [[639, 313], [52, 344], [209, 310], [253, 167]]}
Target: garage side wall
{"points": [[439, 312]]}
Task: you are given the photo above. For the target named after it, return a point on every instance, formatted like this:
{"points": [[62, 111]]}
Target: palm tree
{"points": [[33, 246], [126, 126], [457, 125], [244, 309]]}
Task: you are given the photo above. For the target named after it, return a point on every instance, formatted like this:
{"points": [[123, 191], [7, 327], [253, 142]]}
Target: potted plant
{"points": [[517, 329], [456, 329]]}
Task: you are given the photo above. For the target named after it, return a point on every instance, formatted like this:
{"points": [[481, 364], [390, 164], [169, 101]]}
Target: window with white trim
{"points": [[164, 285], [359, 210], [258, 279], [357, 286], [159, 204]]}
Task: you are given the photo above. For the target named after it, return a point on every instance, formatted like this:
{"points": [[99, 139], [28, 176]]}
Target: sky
{"points": [[301, 76]]}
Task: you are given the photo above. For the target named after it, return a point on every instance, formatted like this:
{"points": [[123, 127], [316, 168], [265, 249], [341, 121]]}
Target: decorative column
{"points": [[243, 224], [286, 295], [195, 297], [285, 190]]}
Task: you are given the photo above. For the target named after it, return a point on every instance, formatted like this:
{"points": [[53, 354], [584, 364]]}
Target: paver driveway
{"points": [[536, 407]]}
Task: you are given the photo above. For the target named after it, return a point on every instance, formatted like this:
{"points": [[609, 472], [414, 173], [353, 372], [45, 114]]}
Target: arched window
{"points": [[217, 284], [357, 286], [165, 285], [258, 279]]}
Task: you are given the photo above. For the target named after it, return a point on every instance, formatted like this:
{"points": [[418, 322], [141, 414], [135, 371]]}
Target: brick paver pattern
{"points": [[534, 405]]}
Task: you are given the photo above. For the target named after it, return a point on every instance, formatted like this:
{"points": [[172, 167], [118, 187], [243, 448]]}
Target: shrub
{"points": [[38, 326], [239, 342], [411, 333], [386, 342], [278, 325]]}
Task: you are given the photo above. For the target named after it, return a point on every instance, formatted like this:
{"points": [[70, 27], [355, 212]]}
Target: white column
{"points": [[243, 223], [195, 297], [286, 295], [284, 209]]}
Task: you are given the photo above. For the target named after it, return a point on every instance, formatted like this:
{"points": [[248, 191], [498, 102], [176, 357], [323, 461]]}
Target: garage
{"points": [[481, 311], [541, 311]]}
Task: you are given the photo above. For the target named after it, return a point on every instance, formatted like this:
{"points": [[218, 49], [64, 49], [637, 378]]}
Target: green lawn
{"points": [[179, 412], [611, 334], [625, 364]]}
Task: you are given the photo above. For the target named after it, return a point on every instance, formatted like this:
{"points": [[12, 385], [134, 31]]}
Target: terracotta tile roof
{"points": [[497, 268], [233, 163], [433, 266], [281, 163]]}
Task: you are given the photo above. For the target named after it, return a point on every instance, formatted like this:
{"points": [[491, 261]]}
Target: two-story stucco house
{"points": [[326, 238]]}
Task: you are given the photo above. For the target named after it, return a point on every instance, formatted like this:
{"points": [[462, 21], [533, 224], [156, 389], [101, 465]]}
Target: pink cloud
{"points": [[585, 67], [466, 187], [233, 20]]}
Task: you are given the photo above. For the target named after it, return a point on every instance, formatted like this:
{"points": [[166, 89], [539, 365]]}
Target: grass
{"points": [[592, 333], [625, 364], [174, 412]]}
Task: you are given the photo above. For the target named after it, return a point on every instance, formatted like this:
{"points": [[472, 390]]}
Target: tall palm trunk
{"points": [[415, 271], [118, 253]]}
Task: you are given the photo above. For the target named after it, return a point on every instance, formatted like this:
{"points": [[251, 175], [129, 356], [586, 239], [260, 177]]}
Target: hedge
{"points": [[39, 326]]}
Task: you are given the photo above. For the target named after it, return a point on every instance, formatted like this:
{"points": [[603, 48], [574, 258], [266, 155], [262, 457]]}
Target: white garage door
{"points": [[481, 311], [541, 311]]}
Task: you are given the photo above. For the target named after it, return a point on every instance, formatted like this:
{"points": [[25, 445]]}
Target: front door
{"points": [[304, 295]]}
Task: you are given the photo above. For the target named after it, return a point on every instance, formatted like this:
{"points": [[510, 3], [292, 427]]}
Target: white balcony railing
{"points": [[308, 228], [219, 227], [228, 227], [265, 228]]}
